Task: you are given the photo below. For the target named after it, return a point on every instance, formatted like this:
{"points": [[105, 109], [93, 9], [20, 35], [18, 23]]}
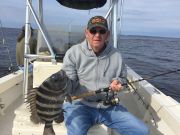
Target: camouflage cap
{"points": [[97, 21]]}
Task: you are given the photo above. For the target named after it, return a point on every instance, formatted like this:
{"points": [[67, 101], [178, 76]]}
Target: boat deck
{"points": [[161, 116], [6, 120]]}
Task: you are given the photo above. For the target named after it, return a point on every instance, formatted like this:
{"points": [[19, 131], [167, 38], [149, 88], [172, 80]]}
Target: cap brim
{"points": [[97, 26]]}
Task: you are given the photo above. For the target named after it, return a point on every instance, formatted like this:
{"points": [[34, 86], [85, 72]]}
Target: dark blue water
{"points": [[148, 56], [10, 38]]}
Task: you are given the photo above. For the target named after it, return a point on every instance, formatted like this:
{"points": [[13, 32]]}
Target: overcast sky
{"points": [[140, 17]]}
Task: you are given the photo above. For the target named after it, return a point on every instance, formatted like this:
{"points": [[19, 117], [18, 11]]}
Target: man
{"points": [[94, 64]]}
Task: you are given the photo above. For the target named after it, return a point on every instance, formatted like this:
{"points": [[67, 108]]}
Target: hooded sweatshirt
{"points": [[89, 72]]}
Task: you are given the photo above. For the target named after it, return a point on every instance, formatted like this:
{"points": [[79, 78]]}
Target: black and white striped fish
{"points": [[46, 101]]}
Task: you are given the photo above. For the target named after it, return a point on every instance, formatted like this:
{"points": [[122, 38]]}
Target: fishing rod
{"points": [[2, 33], [113, 100], [150, 77], [92, 93]]}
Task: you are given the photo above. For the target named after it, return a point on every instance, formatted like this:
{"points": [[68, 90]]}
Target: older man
{"points": [[95, 64]]}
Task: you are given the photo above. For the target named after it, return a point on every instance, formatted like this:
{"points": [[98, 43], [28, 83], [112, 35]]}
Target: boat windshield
{"points": [[61, 38]]}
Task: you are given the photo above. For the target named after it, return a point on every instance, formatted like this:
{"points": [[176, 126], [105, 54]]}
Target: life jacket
{"points": [[82, 4]]}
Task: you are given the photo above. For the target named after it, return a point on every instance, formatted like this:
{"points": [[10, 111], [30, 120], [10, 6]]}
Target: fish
{"points": [[45, 102]]}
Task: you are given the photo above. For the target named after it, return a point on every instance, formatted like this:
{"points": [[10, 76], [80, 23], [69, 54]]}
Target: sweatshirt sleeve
{"points": [[69, 66], [123, 74]]}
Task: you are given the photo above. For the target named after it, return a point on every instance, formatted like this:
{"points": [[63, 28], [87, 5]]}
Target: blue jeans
{"points": [[79, 118]]}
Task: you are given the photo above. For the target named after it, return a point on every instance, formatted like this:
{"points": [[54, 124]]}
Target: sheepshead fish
{"points": [[45, 102]]}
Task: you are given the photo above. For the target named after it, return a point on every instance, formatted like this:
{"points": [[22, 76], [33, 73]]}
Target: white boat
{"points": [[160, 112]]}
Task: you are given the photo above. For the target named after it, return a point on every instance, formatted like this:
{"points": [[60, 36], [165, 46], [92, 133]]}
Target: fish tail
{"points": [[48, 129], [48, 124]]}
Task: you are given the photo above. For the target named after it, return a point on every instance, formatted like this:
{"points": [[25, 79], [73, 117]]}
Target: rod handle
{"points": [[87, 94]]}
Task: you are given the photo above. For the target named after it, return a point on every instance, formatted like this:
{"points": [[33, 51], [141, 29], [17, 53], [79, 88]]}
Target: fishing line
{"points": [[151, 77]]}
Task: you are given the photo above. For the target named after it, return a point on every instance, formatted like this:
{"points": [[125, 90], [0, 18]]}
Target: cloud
{"points": [[12, 13], [151, 16], [139, 16]]}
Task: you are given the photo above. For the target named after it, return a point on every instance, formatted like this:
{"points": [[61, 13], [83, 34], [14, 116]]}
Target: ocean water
{"points": [[148, 56], [10, 35]]}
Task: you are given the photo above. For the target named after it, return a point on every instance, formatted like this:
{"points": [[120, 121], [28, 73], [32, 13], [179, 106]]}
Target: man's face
{"points": [[97, 37]]}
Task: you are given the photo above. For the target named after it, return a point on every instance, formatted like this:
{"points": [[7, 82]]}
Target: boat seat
{"points": [[42, 70], [22, 124]]}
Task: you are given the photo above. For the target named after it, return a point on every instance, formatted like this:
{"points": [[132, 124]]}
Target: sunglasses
{"points": [[100, 31]]}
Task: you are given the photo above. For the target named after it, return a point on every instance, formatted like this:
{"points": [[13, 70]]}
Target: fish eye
{"points": [[54, 78]]}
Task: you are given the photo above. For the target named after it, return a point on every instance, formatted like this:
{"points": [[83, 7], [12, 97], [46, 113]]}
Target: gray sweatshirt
{"points": [[90, 72]]}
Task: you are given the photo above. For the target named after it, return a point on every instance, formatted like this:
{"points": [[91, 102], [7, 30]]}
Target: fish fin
{"points": [[60, 118], [35, 118], [68, 98], [64, 110], [31, 104]]}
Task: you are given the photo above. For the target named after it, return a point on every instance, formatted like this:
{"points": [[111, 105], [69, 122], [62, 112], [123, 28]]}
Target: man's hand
{"points": [[115, 86]]}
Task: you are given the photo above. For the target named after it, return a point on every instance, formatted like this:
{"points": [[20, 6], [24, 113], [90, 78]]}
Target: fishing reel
{"points": [[112, 99]]}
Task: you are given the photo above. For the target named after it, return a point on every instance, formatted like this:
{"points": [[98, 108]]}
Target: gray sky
{"points": [[140, 17]]}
